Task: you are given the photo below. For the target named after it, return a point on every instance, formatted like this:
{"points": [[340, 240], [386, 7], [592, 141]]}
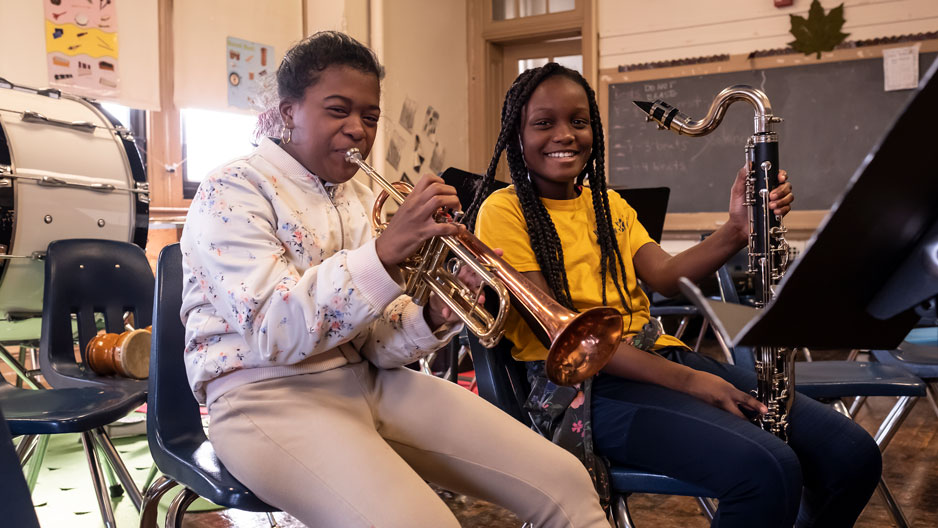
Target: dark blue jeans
{"points": [[823, 477]]}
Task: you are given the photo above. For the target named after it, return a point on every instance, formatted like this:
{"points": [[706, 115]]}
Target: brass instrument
{"points": [[580, 344], [769, 252]]}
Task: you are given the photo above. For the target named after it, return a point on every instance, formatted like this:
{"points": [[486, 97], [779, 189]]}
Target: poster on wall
{"points": [[81, 46], [250, 64]]}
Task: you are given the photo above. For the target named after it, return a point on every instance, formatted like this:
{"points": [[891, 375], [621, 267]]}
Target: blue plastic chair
{"points": [[502, 381], [84, 410], [174, 426], [832, 381], [919, 360], [15, 502], [84, 277]]}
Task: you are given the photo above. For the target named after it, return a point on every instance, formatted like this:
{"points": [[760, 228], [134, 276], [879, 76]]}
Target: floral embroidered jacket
{"points": [[282, 278]]}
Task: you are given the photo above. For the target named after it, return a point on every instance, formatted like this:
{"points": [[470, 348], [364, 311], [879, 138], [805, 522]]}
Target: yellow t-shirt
{"points": [[501, 225]]}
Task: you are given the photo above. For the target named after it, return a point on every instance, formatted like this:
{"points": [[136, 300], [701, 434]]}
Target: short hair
{"points": [[303, 64]]}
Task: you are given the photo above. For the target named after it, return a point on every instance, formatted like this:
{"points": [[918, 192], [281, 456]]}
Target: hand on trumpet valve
{"points": [[416, 220], [438, 313]]}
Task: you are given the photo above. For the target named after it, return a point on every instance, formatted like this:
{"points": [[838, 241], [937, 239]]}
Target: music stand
{"points": [[872, 259], [651, 206]]}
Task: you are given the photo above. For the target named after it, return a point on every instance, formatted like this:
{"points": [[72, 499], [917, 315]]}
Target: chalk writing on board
{"points": [[833, 115]]}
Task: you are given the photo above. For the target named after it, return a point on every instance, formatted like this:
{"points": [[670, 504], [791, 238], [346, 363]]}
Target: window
{"points": [[210, 139], [133, 120], [509, 9]]}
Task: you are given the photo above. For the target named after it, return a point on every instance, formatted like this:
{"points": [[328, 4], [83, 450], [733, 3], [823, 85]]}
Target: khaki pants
{"points": [[353, 447]]}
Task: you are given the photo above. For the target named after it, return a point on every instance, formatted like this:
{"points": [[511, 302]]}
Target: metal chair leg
{"points": [[709, 507], [113, 486], [151, 501], [97, 478], [681, 327], [894, 510], [893, 420], [22, 374], [151, 476], [857, 405], [272, 521], [177, 508], [727, 354], [620, 513], [114, 459], [887, 429], [703, 331], [32, 475], [26, 448], [930, 395]]}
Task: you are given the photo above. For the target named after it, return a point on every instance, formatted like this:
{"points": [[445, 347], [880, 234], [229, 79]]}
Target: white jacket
{"points": [[282, 278]]}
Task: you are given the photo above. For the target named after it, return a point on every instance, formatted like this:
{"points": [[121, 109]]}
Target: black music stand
{"points": [[872, 259]]}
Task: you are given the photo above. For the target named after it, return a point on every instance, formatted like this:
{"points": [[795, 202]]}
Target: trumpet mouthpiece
{"points": [[352, 155]]}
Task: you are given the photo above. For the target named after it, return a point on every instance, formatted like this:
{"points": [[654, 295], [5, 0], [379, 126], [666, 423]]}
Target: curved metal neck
{"points": [[763, 118]]}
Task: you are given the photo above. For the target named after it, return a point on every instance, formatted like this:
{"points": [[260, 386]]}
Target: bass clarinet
{"points": [[768, 250]]}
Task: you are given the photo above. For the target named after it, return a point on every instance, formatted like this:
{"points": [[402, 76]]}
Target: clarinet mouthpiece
{"points": [[644, 105], [658, 111]]}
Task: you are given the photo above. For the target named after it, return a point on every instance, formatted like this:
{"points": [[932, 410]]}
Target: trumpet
{"points": [[579, 344]]}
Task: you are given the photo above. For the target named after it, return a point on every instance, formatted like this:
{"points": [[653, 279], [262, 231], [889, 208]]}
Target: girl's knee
{"points": [[569, 497], [769, 479]]}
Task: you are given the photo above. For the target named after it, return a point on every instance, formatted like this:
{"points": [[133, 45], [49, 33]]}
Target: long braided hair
{"points": [[543, 234]]}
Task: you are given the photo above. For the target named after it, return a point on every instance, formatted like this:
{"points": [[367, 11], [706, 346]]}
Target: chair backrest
{"points": [[465, 184], [15, 502], [172, 411], [651, 206], [501, 380], [89, 276]]}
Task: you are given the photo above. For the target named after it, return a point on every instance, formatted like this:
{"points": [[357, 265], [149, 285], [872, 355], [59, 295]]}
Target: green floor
{"points": [[64, 495]]}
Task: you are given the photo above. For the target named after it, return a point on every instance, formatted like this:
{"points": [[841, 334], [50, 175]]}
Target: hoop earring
{"points": [[286, 135]]}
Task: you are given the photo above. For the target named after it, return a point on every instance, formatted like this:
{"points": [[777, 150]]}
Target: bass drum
{"points": [[67, 170]]}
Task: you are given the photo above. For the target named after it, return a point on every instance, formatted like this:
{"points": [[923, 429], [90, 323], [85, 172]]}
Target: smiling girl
{"points": [[671, 411], [296, 327]]}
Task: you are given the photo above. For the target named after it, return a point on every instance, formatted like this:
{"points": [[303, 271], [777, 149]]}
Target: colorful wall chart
{"points": [[81, 46], [249, 64]]}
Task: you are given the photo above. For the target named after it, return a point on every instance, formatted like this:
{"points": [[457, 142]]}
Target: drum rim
{"points": [[4, 263], [132, 165]]}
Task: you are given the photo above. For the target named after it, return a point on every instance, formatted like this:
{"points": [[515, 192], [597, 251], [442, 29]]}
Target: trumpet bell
{"points": [[584, 346]]}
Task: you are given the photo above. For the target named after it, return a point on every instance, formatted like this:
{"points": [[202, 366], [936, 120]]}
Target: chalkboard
{"points": [[833, 115]]}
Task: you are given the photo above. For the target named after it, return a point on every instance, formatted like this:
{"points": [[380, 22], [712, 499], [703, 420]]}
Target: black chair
{"points": [[84, 410], [84, 277], [15, 501], [502, 381], [833, 381], [93, 280], [174, 426]]}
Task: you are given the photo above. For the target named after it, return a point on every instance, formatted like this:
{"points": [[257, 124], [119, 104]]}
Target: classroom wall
{"points": [[200, 32], [631, 33], [423, 46], [23, 56], [349, 16]]}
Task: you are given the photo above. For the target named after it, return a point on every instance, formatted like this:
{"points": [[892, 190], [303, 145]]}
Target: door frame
{"points": [[488, 40]]}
